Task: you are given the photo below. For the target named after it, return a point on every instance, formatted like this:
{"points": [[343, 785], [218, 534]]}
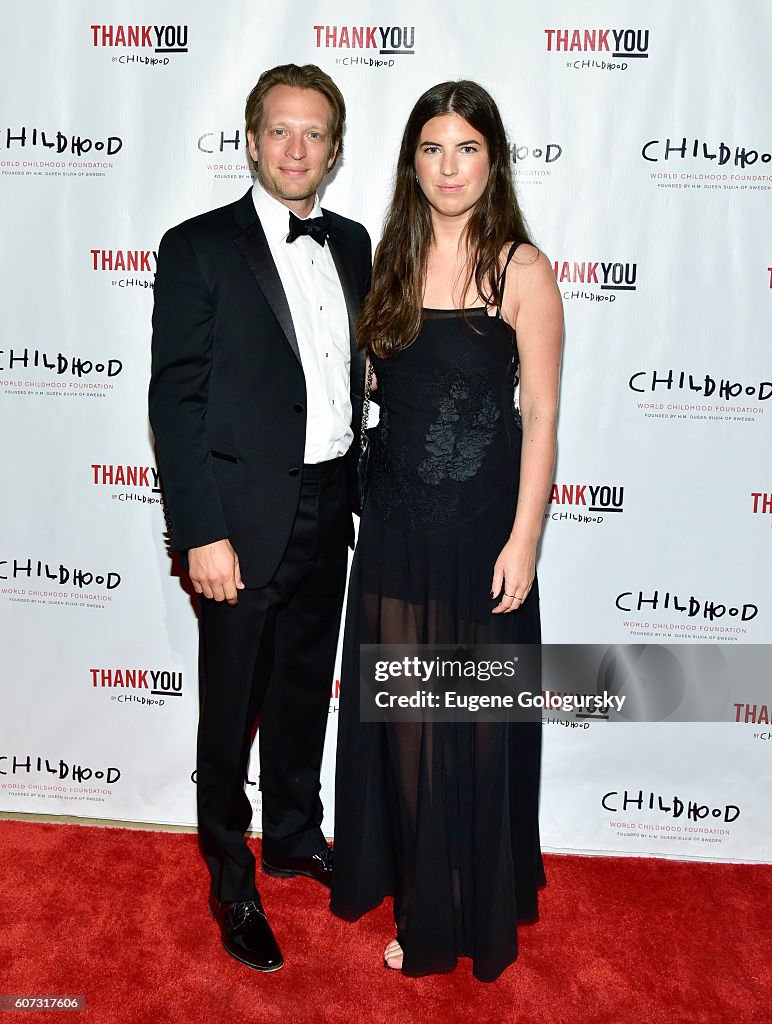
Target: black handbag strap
{"points": [[366, 405]]}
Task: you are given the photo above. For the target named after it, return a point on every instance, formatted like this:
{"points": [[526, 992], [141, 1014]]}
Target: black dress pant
{"points": [[272, 656]]}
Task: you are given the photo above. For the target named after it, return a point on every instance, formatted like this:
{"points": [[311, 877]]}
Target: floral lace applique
{"points": [[394, 485], [464, 428], [416, 485]]}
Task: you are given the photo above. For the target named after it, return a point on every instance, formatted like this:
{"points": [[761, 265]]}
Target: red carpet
{"points": [[121, 917]]}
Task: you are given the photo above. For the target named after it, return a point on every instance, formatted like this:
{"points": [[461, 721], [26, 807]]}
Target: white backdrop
{"points": [[642, 152]]}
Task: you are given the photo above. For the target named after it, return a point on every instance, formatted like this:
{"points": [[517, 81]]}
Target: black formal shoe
{"points": [[318, 867], [246, 934]]}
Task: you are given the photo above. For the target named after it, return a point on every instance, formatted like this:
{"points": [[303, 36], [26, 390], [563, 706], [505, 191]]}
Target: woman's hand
{"points": [[513, 575]]}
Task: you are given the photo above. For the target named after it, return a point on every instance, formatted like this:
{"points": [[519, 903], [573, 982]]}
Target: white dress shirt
{"points": [[320, 317]]}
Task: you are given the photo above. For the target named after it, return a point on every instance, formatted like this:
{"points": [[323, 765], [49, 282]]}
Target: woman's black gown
{"points": [[442, 816]]}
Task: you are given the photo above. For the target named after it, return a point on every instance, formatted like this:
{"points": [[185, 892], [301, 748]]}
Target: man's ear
{"points": [[252, 146], [331, 158]]}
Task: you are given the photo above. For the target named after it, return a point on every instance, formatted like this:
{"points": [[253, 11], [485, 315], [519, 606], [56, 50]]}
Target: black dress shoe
{"points": [[318, 866], [246, 934]]}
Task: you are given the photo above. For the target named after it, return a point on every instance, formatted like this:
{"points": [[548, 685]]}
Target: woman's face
{"points": [[452, 165]]}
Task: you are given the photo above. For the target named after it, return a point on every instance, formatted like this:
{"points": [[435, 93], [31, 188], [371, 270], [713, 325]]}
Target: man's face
{"points": [[292, 150]]}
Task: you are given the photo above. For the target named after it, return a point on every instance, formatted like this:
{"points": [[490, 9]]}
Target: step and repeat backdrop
{"points": [[642, 152]]}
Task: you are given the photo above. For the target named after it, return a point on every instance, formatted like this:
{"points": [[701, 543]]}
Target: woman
{"points": [[444, 816]]}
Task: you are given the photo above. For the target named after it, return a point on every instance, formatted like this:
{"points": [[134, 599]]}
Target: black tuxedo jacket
{"points": [[227, 391]]}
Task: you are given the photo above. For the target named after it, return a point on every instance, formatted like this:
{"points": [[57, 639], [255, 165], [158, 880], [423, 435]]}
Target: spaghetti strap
{"points": [[503, 277]]}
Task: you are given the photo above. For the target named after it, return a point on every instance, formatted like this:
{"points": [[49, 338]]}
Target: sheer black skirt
{"points": [[442, 816]]}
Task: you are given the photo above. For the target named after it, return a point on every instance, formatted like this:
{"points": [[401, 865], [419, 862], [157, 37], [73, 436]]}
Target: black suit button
{"points": [[298, 407], [294, 471]]}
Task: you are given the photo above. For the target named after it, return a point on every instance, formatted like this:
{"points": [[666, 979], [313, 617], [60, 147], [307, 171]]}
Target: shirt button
{"points": [[298, 407], [321, 308], [294, 471]]}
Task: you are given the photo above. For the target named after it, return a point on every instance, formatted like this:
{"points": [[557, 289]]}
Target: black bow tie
{"points": [[316, 227]]}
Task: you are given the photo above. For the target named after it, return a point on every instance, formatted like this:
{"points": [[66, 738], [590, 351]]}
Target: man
{"points": [[254, 368]]}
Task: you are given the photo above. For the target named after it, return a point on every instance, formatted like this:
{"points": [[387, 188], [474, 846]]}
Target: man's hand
{"points": [[214, 571]]}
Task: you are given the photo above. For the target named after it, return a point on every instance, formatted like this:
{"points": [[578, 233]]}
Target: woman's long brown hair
{"points": [[392, 313]]}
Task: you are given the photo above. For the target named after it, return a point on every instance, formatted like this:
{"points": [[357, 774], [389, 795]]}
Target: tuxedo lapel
{"points": [[342, 259], [254, 248]]}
